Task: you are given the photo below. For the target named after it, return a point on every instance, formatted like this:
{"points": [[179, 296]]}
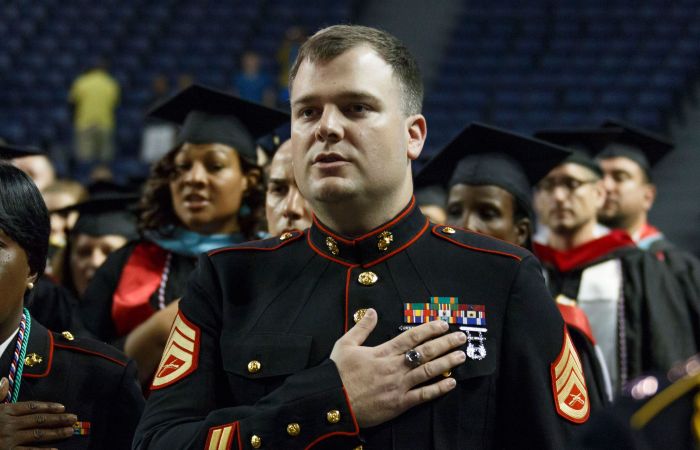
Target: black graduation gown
{"points": [[248, 356], [685, 267], [655, 332], [96, 308], [655, 411], [91, 379], [54, 306]]}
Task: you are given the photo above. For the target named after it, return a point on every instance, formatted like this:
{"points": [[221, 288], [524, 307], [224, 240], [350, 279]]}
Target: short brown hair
{"points": [[333, 41]]}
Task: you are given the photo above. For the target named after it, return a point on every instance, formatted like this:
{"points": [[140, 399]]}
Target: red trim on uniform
{"points": [[195, 353], [568, 260], [234, 429], [48, 364], [91, 352], [372, 233], [478, 249], [315, 249], [389, 255], [347, 296], [339, 433], [238, 435], [262, 249], [554, 380], [576, 318], [330, 233]]}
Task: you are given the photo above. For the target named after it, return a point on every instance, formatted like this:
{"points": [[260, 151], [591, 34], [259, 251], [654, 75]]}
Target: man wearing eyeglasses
{"points": [[634, 307]]}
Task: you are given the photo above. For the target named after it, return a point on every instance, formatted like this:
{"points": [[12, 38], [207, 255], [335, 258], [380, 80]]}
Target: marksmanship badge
{"points": [[475, 342]]}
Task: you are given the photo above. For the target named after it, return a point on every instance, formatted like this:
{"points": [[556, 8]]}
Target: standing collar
{"points": [[373, 247]]}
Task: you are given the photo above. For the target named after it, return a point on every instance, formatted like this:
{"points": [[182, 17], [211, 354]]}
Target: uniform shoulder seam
{"points": [[440, 234], [90, 352], [295, 235]]}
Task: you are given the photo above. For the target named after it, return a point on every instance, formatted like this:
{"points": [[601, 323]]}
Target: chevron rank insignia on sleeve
{"points": [[181, 353], [569, 384]]}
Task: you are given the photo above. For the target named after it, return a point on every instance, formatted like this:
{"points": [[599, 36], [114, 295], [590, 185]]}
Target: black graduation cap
{"points": [[641, 146], [431, 195], [210, 116], [585, 143], [8, 151], [103, 214], [486, 155]]}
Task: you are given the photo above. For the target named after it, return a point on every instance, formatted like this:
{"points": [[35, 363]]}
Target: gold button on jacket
{"points": [[293, 429], [255, 441], [367, 278], [333, 416], [359, 314], [254, 366]]}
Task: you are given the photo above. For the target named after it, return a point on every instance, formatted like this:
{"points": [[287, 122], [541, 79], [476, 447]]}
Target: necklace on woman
{"points": [[164, 280], [17, 364]]}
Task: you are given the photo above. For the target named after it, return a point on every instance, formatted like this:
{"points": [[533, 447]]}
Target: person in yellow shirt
{"points": [[94, 97]]}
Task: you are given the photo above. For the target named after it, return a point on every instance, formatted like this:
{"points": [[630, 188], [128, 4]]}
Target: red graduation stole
{"points": [[140, 278]]}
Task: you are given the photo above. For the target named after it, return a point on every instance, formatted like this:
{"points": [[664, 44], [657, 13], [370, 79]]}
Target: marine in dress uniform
{"points": [[91, 379], [262, 354], [95, 383]]}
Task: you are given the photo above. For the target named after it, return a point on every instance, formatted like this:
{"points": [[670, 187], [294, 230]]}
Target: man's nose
{"points": [[294, 204], [330, 125]]}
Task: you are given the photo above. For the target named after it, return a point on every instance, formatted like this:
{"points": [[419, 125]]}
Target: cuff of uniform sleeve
{"points": [[310, 410]]}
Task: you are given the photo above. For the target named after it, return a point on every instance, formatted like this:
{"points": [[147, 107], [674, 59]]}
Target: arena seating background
{"points": [[518, 64]]}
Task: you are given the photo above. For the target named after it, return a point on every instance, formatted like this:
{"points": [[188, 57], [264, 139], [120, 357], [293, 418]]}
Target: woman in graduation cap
{"points": [[201, 195], [104, 225], [491, 173]]}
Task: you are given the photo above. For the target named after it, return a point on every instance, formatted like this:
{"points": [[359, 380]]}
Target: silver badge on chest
{"points": [[476, 336]]}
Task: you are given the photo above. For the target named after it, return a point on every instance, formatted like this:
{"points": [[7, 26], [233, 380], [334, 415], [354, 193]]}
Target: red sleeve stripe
{"points": [[221, 437], [354, 432]]}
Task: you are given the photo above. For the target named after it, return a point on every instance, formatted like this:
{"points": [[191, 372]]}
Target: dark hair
{"points": [[156, 204], [332, 42], [521, 212], [23, 215]]}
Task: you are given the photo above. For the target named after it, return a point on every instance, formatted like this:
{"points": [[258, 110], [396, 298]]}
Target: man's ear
{"points": [[251, 178], [599, 188], [523, 230], [649, 195], [417, 132]]}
